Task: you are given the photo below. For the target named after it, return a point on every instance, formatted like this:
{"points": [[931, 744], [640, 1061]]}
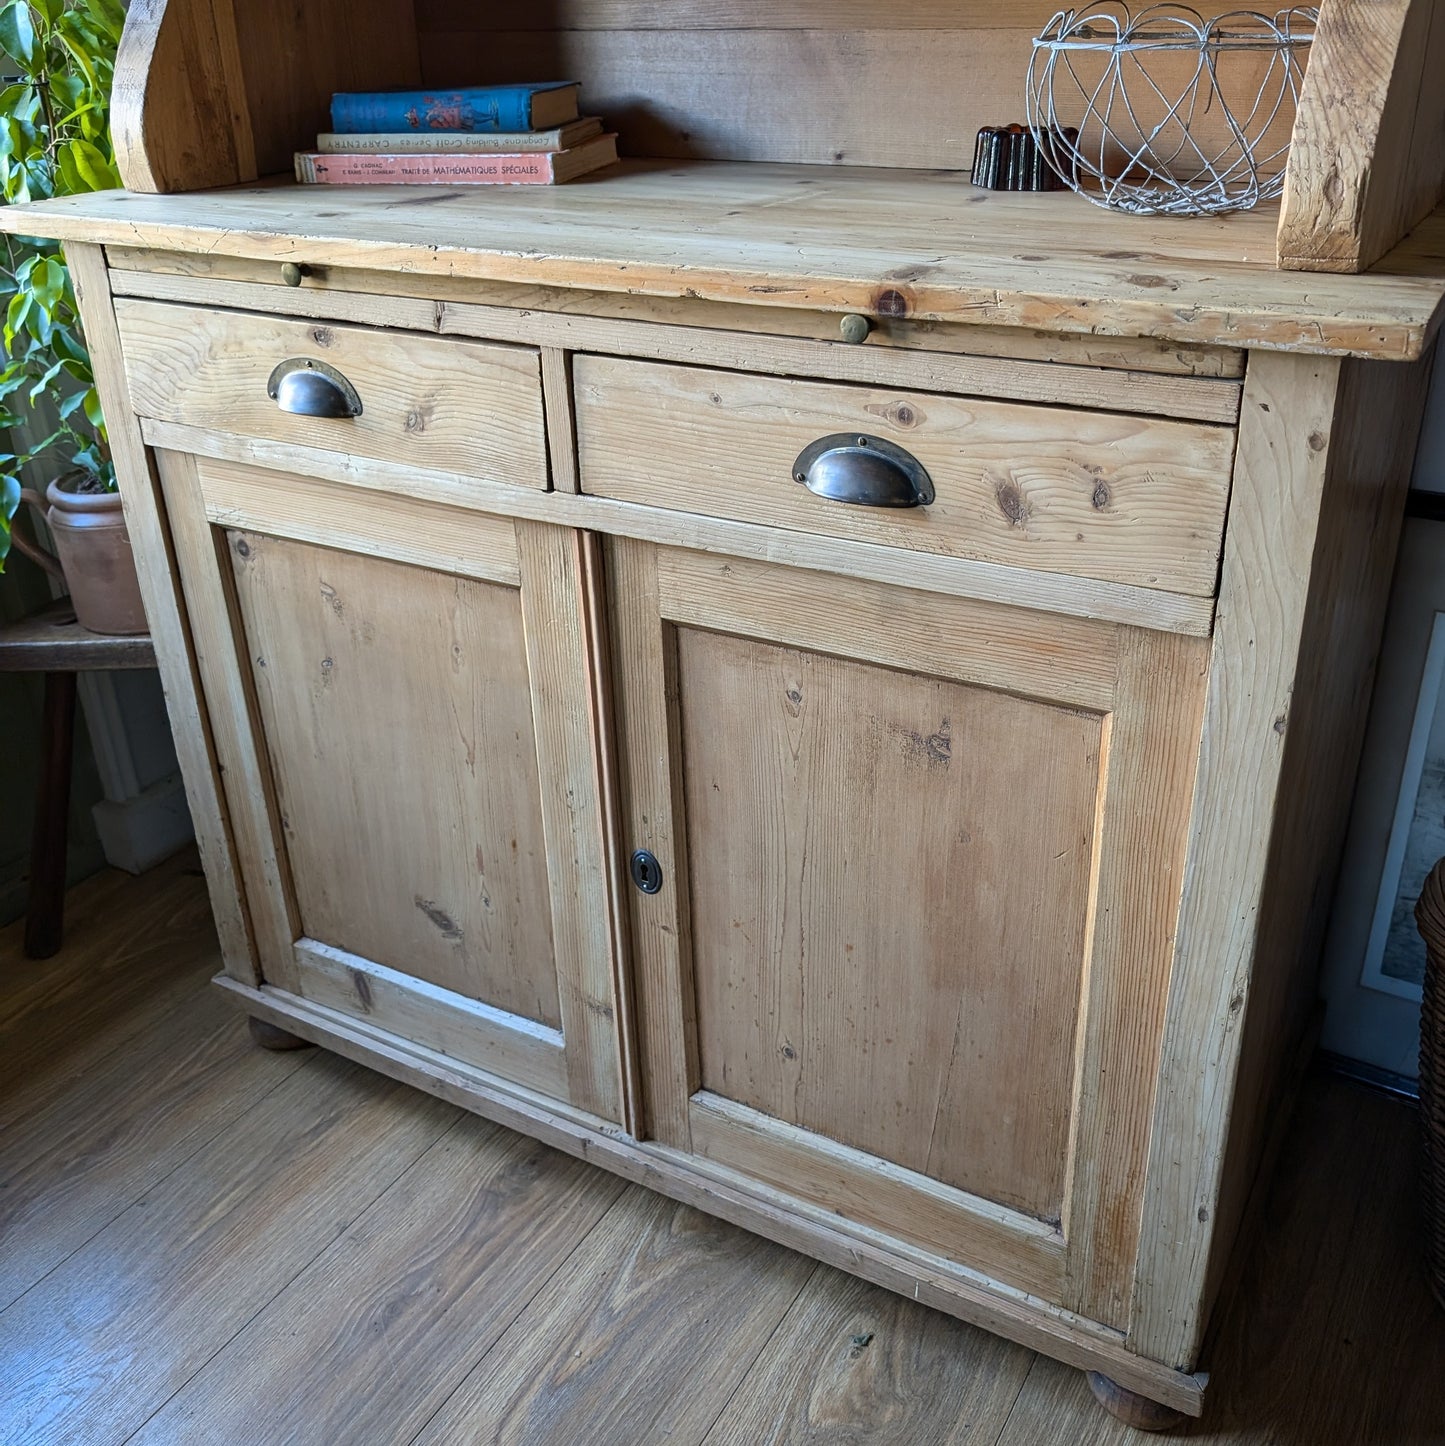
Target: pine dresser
{"points": [[936, 887]]}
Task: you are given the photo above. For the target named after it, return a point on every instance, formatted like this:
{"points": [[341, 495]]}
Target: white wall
{"points": [[1430, 460], [1372, 955]]}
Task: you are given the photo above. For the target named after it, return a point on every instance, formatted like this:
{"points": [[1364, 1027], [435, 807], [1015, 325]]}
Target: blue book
{"points": [[485, 108]]}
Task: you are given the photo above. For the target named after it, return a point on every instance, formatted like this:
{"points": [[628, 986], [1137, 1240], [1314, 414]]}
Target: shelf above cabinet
{"points": [[925, 245]]}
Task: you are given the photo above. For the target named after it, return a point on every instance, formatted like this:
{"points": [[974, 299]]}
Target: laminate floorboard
{"points": [[130, 946], [204, 1242], [1331, 1338], [644, 1338], [77, 1163], [847, 1366], [386, 1322]]}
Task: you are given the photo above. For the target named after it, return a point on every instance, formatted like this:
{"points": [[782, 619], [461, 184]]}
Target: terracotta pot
{"points": [[94, 556]]}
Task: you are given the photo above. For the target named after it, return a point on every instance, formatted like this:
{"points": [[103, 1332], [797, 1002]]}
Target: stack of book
{"points": [[501, 135]]}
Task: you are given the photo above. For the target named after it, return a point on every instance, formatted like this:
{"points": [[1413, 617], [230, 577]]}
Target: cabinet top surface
{"points": [[927, 245]]}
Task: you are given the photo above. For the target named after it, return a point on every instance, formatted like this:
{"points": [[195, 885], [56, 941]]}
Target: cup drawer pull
{"points": [[866, 471], [308, 388]]}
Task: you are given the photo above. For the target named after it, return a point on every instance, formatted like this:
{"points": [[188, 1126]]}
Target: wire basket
{"points": [[1165, 112]]}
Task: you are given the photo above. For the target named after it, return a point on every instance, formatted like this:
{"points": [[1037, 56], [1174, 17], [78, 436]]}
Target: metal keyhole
{"points": [[646, 872]]}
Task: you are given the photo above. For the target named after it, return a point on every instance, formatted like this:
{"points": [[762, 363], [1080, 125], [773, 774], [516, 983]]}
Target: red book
{"points": [[366, 168]]}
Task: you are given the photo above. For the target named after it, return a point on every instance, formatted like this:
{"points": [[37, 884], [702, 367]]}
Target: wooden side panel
{"points": [[398, 720], [211, 92], [1368, 155], [186, 707], [1120, 498], [179, 117], [1289, 417], [890, 892], [1376, 430]]}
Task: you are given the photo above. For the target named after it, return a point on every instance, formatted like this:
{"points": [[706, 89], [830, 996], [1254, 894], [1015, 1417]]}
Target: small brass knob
{"points": [[291, 273], [855, 328]]}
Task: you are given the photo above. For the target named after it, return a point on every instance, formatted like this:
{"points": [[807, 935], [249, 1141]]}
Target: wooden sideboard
{"points": [[933, 889]]}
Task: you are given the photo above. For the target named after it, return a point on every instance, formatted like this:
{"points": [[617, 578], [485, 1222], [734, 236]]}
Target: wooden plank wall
{"points": [[820, 81]]}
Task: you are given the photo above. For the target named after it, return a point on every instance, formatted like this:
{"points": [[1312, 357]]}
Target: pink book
{"points": [[317, 168]]}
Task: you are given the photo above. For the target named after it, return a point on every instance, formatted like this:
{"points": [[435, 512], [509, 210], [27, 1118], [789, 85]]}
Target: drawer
{"points": [[437, 403], [1116, 497]]}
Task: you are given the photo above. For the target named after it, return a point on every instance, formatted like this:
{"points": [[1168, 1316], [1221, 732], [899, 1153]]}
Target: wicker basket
{"points": [[1430, 916]]}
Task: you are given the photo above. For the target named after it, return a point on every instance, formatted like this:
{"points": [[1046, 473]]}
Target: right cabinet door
{"points": [[915, 865]]}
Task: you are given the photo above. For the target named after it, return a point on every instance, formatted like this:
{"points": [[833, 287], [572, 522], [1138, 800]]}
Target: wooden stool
{"points": [[53, 643]]}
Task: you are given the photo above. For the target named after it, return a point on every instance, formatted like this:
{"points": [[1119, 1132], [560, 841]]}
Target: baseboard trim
{"points": [[1384, 1080]]}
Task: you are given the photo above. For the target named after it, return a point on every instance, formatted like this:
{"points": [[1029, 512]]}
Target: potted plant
{"points": [[59, 58]]}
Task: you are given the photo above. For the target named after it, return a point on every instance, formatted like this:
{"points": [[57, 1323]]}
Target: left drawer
{"points": [[466, 408]]}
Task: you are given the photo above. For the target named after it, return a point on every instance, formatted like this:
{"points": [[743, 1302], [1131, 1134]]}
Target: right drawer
{"points": [[1112, 496]]}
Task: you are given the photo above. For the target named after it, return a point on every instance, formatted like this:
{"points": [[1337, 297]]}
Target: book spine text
{"points": [[505, 108], [316, 168]]}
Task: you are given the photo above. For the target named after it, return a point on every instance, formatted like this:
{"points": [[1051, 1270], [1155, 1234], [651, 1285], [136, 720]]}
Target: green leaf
{"points": [[69, 91], [15, 315], [39, 324], [72, 183], [95, 170], [89, 458], [69, 346], [43, 384], [18, 39], [38, 177], [93, 413], [108, 16], [80, 48], [9, 494], [47, 281], [70, 405], [16, 183]]}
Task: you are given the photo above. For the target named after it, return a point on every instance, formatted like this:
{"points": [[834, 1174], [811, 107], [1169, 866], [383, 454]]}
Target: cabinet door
{"points": [[399, 692], [920, 865]]}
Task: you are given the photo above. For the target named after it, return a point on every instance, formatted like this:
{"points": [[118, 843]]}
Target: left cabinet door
{"points": [[398, 691]]}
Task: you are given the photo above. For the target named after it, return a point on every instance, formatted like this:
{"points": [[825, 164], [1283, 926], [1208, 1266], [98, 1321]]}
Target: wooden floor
{"points": [[204, 1242]]}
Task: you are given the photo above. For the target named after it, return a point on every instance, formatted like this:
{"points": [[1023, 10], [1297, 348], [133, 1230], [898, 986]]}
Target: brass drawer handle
{"points": [[308, 388], [868, 471]]}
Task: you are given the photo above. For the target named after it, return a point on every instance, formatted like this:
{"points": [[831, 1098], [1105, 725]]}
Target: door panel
{"points": [[407, 755], [890, 890], [920, 863], [396, 712]]}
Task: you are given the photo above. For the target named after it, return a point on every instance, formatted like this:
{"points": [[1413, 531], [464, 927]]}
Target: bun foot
{"points": [[272, 1036], [1133, 1410]]}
